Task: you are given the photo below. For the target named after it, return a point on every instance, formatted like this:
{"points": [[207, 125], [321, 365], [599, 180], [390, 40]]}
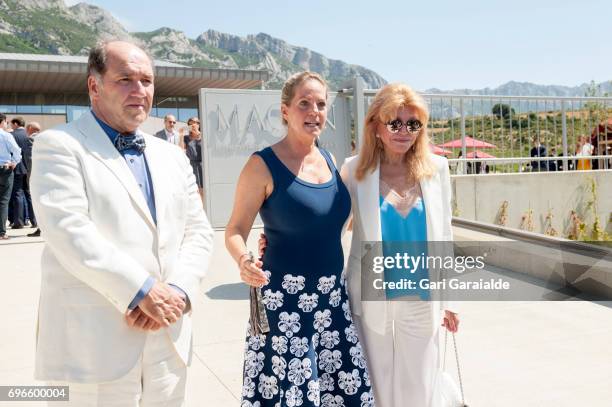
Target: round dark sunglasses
{"points": [[412, 126]]}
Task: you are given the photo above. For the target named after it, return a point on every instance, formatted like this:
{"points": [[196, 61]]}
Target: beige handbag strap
{"points": [[457, 362]]}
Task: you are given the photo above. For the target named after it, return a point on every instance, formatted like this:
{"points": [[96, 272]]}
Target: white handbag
{"points": [[446, 391]]}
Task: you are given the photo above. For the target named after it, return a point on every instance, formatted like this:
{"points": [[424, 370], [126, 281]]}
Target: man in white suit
{"points": [[127, 245]]}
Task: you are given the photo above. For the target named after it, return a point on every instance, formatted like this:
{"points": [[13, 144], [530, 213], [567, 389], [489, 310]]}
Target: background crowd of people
{"points": [[190, 140], [16, 139], [581, 154]]}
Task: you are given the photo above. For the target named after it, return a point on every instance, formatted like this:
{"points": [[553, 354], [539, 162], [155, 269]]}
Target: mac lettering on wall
{"points": [[236, 123]]}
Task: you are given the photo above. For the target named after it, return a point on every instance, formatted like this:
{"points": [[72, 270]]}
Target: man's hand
{"points": [[137, 319], [163, 304]]}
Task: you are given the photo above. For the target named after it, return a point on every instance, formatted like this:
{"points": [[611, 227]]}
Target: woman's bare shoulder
{"points": [[256, 169]]}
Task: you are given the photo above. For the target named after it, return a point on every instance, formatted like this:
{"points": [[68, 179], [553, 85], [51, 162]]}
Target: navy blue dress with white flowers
{"points": [[312, 355]]}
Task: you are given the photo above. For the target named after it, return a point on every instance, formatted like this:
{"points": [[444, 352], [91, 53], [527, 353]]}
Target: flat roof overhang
{"points": [[41, 76]]}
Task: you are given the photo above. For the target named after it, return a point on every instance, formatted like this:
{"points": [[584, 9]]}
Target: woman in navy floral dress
{"points": [[312, 355]]}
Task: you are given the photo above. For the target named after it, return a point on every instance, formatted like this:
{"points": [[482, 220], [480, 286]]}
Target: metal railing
{"points": [[512, 125], [475, 166]]}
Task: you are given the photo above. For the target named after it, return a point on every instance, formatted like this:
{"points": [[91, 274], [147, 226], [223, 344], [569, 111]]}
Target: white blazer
{"points": [[102, 244], [366, 228]]}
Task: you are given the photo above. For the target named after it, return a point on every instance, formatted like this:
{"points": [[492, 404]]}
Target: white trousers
{"points": [[403, 362], [157, 380]]}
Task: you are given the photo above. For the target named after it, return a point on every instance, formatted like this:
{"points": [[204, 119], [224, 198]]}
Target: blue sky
{"points": [[443, 44]]}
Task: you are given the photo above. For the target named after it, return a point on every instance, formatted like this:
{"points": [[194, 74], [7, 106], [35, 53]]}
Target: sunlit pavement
{"points": [[512, 353]]}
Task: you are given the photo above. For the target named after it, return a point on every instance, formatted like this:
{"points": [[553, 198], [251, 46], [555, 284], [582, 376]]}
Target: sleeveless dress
{"points": [[312, 355]]}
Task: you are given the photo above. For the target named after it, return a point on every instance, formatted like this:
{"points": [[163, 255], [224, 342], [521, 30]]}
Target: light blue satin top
{"points": [[401, 235]]}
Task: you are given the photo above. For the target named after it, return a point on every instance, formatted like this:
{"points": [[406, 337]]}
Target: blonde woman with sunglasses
{"points": [[400, 191]]}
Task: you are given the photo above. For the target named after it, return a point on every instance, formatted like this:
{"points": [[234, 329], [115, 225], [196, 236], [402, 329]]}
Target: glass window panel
{"points": [[54, 109], [153, 112], [29, 103], [161, 112], [30, 109], [185, 114], [188, 107], [74, 112], [7, 103], [53, 103], [166, 105], [187, 102], [54, 99], [77, 99], [77, 104]]}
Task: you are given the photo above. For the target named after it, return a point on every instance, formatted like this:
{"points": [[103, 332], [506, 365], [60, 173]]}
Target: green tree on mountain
{"points": [[502, 110]]}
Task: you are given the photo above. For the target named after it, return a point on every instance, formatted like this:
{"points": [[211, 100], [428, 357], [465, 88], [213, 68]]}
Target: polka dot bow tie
{"points": [[127, 141]]}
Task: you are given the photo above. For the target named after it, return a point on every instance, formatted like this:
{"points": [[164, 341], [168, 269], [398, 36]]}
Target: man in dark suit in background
{"points": [[33, 128], [538, 150], [10, 155], [21, 201], [552, 164]]}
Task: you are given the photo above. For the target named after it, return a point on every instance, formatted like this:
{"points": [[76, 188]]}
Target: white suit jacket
{"points": [[366, 228], [102, 244]]}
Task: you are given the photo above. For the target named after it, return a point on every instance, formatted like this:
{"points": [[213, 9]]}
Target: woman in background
{"points": [[583, 149], [193, 149]]}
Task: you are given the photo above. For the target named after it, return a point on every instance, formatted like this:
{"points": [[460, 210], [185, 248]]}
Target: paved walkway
{"points": [[513, 353]]}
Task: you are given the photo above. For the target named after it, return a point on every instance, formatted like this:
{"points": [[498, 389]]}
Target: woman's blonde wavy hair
{"points": [[383, 109]]}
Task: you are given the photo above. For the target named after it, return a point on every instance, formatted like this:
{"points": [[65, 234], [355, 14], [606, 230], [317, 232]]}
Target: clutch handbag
{"points": [[259, 317], [447, 393]]}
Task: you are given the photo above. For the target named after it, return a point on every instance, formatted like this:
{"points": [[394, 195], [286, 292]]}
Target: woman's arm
{"points": [[254, 185], [447, 202], [344, 175], [451, 318]]}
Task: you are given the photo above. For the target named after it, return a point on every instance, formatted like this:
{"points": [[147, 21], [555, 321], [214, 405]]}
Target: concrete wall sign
{"points": [[237, 123]]}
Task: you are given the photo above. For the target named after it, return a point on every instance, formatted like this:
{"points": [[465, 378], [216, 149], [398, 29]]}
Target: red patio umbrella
{"points": [[439, 151], [479, 154], [469, 143]]}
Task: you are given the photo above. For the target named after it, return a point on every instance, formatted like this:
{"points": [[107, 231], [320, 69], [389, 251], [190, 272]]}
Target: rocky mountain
{"points": [[51, 27], [513, 88]]}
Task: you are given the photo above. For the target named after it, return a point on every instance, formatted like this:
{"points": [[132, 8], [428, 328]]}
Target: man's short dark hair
{"points": [[18, 121], [2, 117], [96, 64]]}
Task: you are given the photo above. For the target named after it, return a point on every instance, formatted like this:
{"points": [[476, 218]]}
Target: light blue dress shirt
{"points": [[137, 163], [404, 235], [9, 150]]}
